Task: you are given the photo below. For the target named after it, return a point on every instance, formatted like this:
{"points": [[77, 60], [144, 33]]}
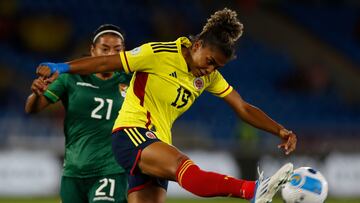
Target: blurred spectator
{"points": [[45, 33], [357, 30], [168, 22], [248, 5], [248, 136], [10, 89], [312, 79], [7, 20], [5, 84], [165, 18]]}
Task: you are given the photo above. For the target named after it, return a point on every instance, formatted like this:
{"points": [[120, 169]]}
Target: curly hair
{"points": [[222, 30]]}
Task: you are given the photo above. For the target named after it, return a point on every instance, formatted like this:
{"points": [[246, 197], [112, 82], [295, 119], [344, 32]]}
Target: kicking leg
{"points": [[162, 160], [266, 189]]}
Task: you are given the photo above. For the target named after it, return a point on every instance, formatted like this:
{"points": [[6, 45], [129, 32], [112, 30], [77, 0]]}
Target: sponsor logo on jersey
{"points": [[135, 51], [198, 83], [150, 135], [85, 84], [110, 199]]}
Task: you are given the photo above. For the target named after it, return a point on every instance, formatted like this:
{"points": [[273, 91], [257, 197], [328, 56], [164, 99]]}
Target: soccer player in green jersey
{"points": [[168, 78], [92, 102]]}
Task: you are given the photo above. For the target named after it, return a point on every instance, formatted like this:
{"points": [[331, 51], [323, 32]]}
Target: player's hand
{"points": [[52, 78], [40, 85], [43, 70], [47, 69], [289, 141]]}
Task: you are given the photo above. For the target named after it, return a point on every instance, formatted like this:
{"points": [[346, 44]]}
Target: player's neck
{"points": [[104, 76]]}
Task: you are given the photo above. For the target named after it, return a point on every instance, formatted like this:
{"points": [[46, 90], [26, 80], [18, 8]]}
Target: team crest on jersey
{"points": [[198, 83], [122, 89], [135, 51], [150, 135]]}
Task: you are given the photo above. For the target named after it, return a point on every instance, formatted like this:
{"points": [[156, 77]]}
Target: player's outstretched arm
{"points": [[83, 66], [257, 118]]}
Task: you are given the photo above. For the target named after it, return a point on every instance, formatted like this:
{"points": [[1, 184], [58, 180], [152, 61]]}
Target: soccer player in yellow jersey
{"points": [[168, 77]]}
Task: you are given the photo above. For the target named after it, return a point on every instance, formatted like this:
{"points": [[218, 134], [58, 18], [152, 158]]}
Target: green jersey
{"points": [[91, 105]]}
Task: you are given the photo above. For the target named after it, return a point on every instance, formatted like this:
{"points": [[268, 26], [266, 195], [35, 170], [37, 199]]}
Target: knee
{"points": [[161, 160], [179, 160], [169, 168]]}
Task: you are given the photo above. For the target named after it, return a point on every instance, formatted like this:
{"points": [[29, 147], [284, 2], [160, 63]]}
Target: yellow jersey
{"points": [[162, 88]]}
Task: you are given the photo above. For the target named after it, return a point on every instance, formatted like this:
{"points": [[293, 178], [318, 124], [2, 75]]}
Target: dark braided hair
{"points": [[222, 30]]}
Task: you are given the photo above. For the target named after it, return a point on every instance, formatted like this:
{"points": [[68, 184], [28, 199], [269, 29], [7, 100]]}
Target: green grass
{"points": [[232, 200], [203, 200], [30, 200]]}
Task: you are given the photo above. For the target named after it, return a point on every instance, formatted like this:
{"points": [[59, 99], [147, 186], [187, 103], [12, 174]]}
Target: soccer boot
{"points": [[265, 189]]}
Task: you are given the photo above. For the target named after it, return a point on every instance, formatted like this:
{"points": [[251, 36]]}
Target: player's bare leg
{"points": [[150, 194], [165, 161], [158, 160], [161, 160]]}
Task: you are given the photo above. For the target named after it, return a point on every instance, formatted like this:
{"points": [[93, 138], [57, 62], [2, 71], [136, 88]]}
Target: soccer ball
{"points": [[306, 185]]}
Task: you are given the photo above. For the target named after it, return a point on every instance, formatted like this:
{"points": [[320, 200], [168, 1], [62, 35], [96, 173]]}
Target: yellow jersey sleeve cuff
{"points": [[225, 92], [124, 62]]}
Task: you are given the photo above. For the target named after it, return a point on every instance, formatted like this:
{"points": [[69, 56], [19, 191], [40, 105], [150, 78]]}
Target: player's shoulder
{"points": [[214, 76], [64, 77], [215, 73], [164, 47], [67, 78], [171, 46], [68, 75], [123, 77]]}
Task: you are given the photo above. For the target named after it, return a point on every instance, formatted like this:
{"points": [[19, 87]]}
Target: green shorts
{"points": [[101, 189]]}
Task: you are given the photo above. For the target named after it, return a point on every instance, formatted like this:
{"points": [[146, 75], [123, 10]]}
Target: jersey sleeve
{"points": [[218, 85], [56, 89], [139, 59]]}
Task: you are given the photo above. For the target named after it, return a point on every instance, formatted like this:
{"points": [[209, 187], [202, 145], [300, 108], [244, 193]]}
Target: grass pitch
{"points": [[170, 200]]}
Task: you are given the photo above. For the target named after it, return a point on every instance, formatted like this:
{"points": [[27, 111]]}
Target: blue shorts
{"points": [[127, 144]]}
